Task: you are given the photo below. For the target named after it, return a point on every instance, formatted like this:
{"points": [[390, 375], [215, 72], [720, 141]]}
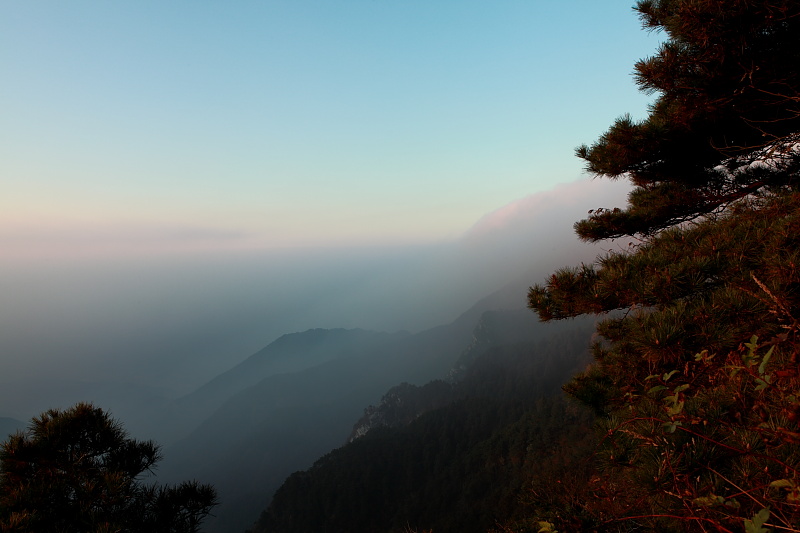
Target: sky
{"points": [[199, 177], [147, 127]]}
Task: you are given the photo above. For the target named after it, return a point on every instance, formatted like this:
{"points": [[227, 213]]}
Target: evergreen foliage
{"points": [[690, 412], [726, 120], [77, 471], [696, 377]]}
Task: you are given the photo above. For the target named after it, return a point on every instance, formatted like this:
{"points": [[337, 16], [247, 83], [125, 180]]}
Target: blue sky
{"points": [[150, 127]]}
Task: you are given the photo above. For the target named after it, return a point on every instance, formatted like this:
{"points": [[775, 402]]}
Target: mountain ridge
{"points": [[285, 421]]}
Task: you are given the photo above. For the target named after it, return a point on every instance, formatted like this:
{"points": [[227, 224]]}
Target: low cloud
{"points": [[557, 209], [176, 319], [81, 239], [535, 233]]}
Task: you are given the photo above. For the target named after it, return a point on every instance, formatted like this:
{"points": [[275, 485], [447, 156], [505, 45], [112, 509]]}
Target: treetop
{"points": [[728, 97]]}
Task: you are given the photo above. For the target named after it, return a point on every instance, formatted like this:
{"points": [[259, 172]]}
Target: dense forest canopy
{"points": [[452, 456], [697, 382]]}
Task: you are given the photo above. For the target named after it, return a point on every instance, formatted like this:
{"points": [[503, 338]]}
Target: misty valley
{"points": [[272, 416], [396, 336], [473, 384]]}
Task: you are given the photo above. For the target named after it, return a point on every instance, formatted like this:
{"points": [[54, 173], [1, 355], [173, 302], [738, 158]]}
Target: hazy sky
{"points": [[138, 127], [181, 182]]}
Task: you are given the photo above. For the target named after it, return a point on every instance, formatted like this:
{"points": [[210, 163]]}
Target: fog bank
{"points": [[171, 321]]}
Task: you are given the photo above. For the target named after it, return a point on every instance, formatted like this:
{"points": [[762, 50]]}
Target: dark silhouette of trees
{"points": [[724, 125], [76, 470], [696, 375]]}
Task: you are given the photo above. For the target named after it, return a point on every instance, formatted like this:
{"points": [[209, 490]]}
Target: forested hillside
{"points": [[453, 457], [298, 398], [695, 382]]}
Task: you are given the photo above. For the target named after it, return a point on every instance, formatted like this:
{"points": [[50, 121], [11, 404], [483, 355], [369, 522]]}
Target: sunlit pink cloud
{"points": [[556, 209]]}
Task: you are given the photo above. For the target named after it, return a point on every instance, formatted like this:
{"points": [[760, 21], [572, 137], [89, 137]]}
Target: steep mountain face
{"points": [[402, 405], [497, 328], [453, 456]]}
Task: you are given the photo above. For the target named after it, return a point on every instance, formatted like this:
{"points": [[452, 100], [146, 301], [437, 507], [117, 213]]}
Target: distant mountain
{"points": [[289, 353], [451, 456], [267, 431], [282, 423]]}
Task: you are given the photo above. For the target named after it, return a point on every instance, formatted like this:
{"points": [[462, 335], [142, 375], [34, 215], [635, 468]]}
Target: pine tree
{"points": [[725, 122], [77, 471], [696, 371]]}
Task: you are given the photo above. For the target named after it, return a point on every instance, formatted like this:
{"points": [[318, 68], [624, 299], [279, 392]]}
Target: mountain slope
{"points": [[263, 433], [289, 353], [267, 431], [458, 463]]}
